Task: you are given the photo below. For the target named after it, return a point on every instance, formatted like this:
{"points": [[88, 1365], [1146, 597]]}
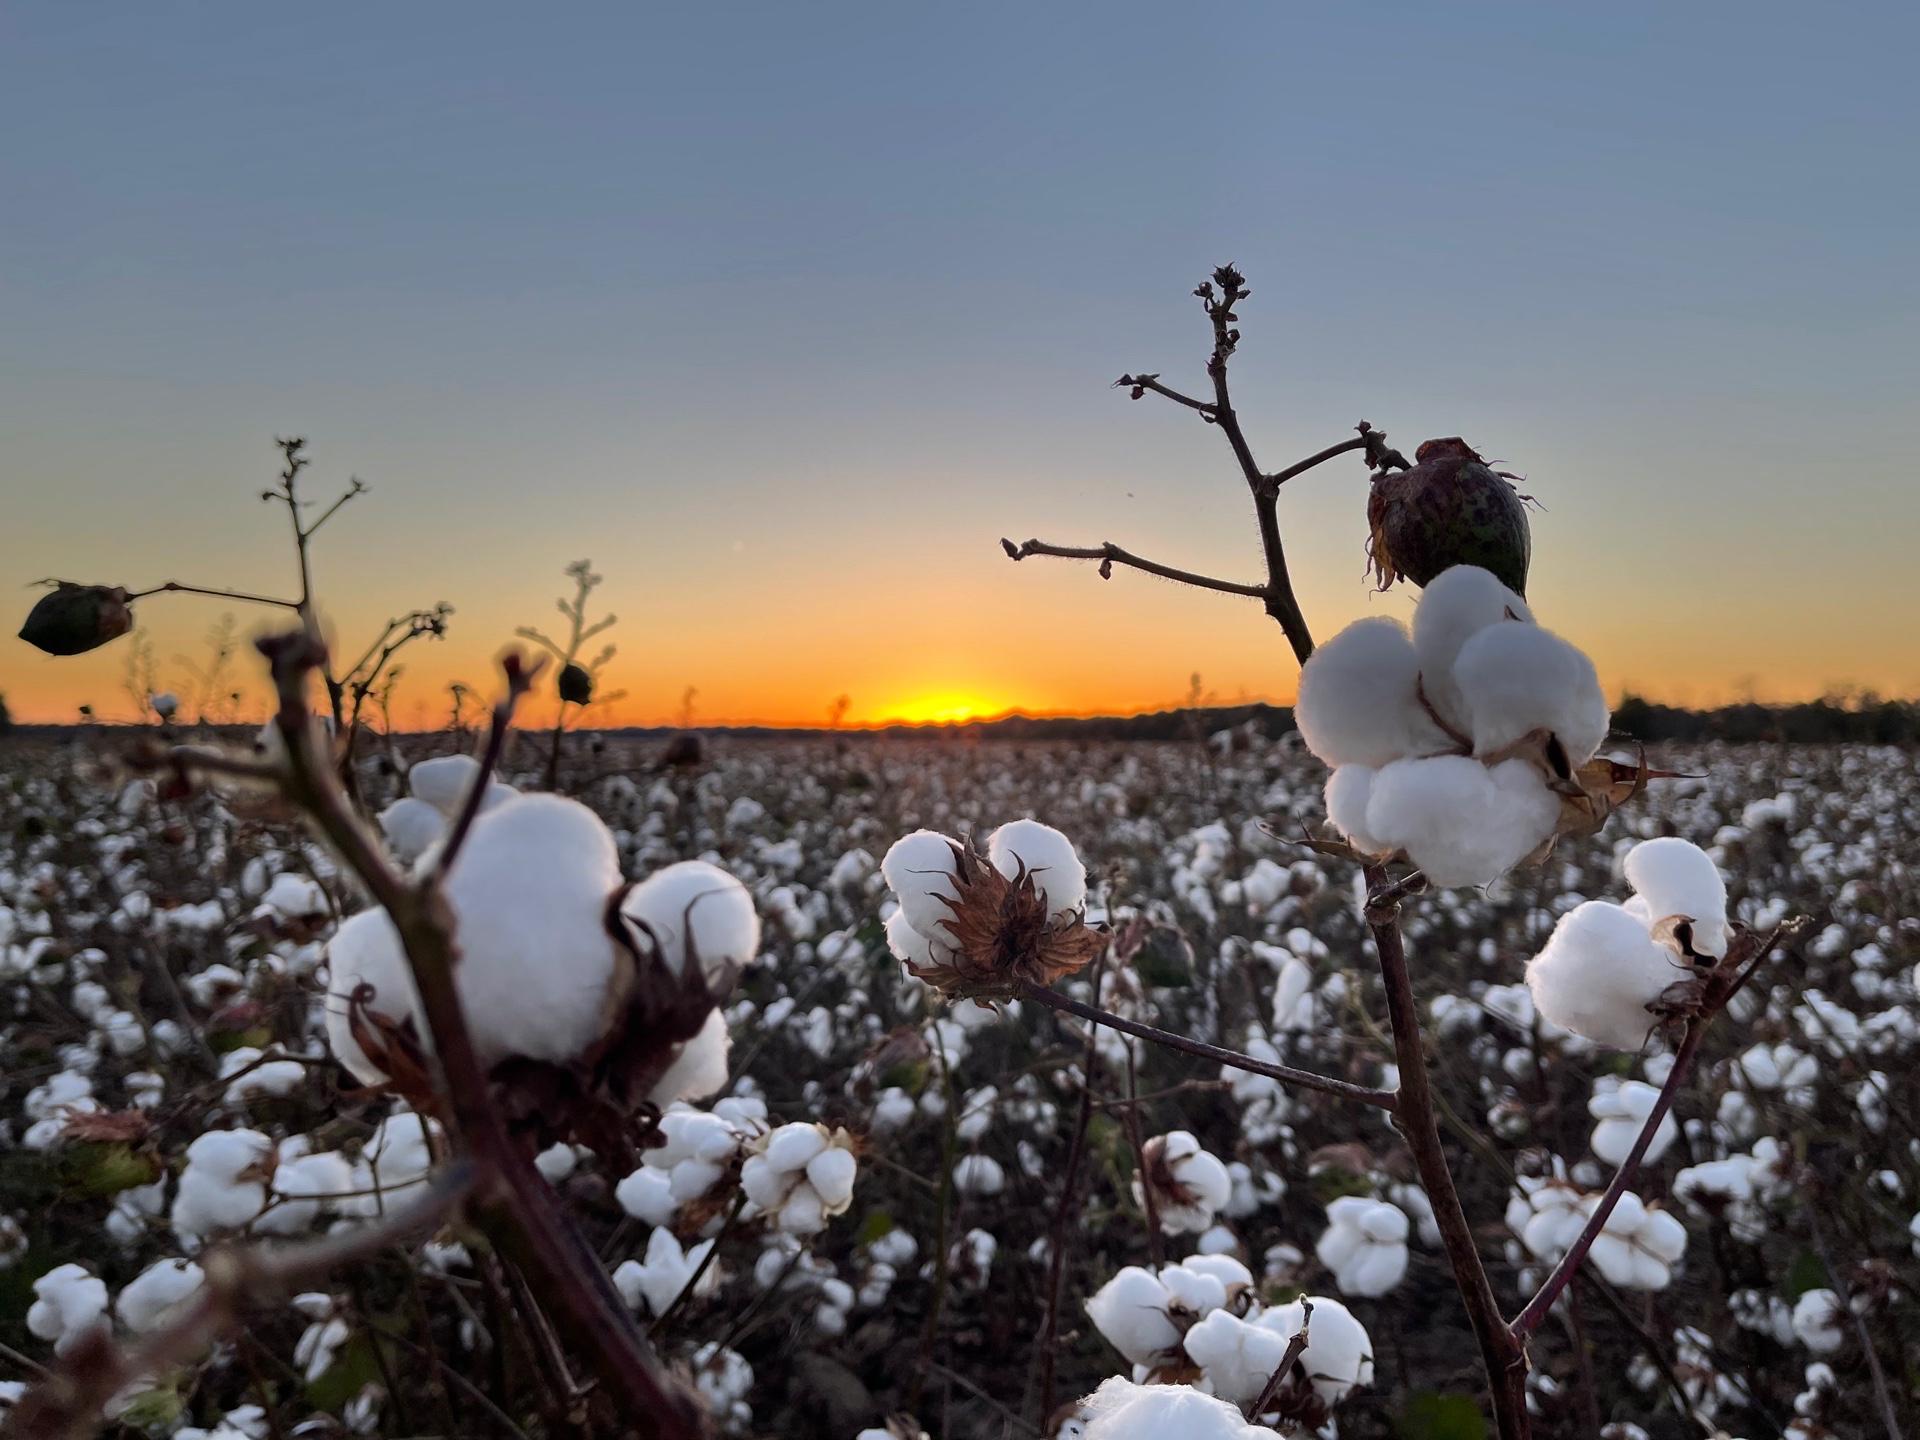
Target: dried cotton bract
{"points": [[1461, 745], [973, 924]]}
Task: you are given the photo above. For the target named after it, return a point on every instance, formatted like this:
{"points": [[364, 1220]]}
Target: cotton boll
{"points": [[1598, 972], [412, 827], [443, 783], [831, 1174], [792, 1146], [529, 893], [1515, 679], [1237, 1357], [1459, 604], [701, 1066], [647, 1195], [1817, 1321], [919, 869], [1122, 1410], [151, 1296], [979, 1175], [1675, 877], [1622, 1113], [1339, 1353], [68, 1304], [908, 945], [1365, 1245], [1349, 789], [1130, 1310], [1359, 698], [222, 1187], [1047, 856], [366, 951], [694, 902], [1460, 822]]}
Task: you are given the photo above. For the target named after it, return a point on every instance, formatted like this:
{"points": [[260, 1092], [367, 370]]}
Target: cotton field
{"points": [[890, 1193]]}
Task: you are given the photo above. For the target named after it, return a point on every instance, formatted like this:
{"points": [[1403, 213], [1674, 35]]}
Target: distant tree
{"points": [[837, 711]]}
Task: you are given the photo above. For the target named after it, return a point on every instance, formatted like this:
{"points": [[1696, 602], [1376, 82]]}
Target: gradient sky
{"points": [[784, 314]]}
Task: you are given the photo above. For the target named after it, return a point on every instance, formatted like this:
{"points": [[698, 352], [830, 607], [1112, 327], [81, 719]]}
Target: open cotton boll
{"points": [[701, 1066], [152, 1295], [1598, 973], [1364, 1245], [1339, 1353], [529, 894], [443, 783], [1676, 877], [412, 827], [918, 868], [1459, 604], [1237, 1357], [1515, 679], [694, 902], [1349, 789], [1359, 700], [223, 1186], [1122, 1410], [908, 945], [68, 1304], [366, 950], [1459, 821], [1130, 1310], [1048, 856], [1621, 1112]]}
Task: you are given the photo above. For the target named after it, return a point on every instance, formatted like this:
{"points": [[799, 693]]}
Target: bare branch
{"points": [[1109, 555], [175, 587], [1139, 385], [519, 677], [1296, 1347]]}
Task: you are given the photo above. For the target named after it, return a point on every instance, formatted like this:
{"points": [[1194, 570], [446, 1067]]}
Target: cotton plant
{"points": [[1238, 1356], [1180, 1183]]}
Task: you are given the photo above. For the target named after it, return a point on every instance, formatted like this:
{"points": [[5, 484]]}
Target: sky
{"points": [[784, 314]]}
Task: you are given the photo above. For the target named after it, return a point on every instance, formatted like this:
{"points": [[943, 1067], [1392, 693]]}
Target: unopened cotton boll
{"points": [[1359, 698], [1460, 821], [700, 905], [1459, 604], [1598, 973], [1676, 877], [1047, 856], [919, 870], [1516, 679]]}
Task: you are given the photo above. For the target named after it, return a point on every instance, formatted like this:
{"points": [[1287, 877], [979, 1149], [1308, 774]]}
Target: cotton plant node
{"points": [[1001, 933], [1449, 509]]}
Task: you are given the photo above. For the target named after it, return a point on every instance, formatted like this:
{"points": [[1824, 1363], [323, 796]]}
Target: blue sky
{"points": [[785, 313]]}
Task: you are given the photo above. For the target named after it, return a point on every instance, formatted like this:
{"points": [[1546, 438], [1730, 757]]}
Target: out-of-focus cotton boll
{"points": [[702, 904], [1459, 821], [1349, 790], [529, 894], [1638, 1247], [1515, 679], [151, 1296], [366, 951], [1622, 1113], [412, 827], [1676, 877], [1599, 972], [979, 1175], [1339, 1353], [1047, 856], [223, 1186], [701, 1066], [666, 1272], [919, 870], [1364, 1245], [1458, 605], [1189, 1184], [1359, 699], [1130, 1310], [68, 1304], [1122, 1410], [443, 783], [1818, 1321]]}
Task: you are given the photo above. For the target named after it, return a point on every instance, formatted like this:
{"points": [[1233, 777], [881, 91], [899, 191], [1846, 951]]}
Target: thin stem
{"points": [[1064, 1211], [1233, 1059], [1280, 477], [175, 587], [1109, 555], [519, 680], [1414, 1117], [1843, 1301], [1139, 383], [686, 1291]]}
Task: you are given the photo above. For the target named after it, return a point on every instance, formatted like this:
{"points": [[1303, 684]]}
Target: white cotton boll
{"points": [[1122, 1410], [1459, 821], [1237, 1357], [294, 897], [1339, 1353], [529, 894], [764, 1184], [1599, 971], [1622, 1112], [1048, 856], [831, 1173], [1457, 605], [1130, 1310], [1365, 1245], [908, 945], [412, 827], [222, 1186], [979, 1175], [1349, 789], [694, 902], [366, 950], [647, 1195], [919, 869], [701, 1066], [1676, 877], [1359, 698], [1817, 1321], [1638, 1248], [302, 1186], [69, 1302], [1515, 679], [443, 783], [793, 1145], [151, 1296], [667, 1270], [804, 1213]]}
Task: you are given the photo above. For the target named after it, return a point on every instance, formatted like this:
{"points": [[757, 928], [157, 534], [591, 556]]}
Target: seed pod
{"points": [[73, 619], [576, 685], [1449, 509]]}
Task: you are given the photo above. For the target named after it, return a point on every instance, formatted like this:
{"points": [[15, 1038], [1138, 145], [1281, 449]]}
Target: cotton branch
{"points": [[69, 1400], [1296, 1347], [174, 587], [1218, 297]]}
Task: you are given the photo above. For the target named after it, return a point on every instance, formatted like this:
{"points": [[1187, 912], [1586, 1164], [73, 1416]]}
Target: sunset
{"points": [[1008, 721]]}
